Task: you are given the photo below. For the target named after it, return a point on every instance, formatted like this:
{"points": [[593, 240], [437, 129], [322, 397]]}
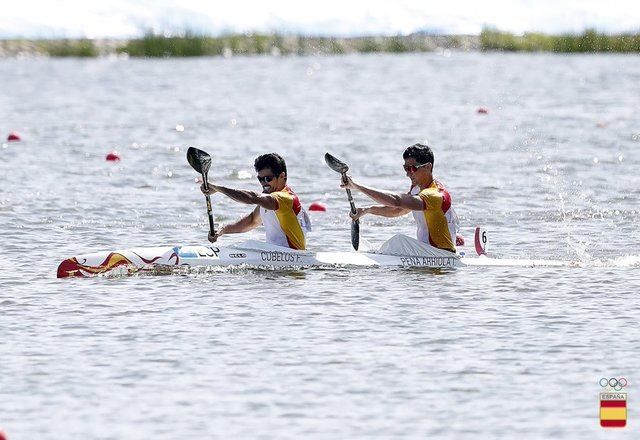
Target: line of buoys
{"points": [[113, 156], [13, 137], [483, 111], [317, 207]]}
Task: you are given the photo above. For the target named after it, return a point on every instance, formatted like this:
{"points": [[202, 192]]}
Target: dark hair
{"points": [[273, 161], [421, 153]]}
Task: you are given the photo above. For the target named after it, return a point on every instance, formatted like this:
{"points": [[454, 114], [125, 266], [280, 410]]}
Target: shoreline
{"points": [[155, 46], [191, 45]]}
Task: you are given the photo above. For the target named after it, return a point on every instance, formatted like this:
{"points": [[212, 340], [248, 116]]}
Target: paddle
{"points": [[342, 168], [201, 162]]}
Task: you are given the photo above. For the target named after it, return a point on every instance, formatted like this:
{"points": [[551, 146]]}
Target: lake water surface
{"points": [[551, 171]]}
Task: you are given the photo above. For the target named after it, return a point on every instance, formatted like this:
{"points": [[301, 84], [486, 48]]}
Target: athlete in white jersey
{"points": [[452, 221], [278, 207], [428, 200]]}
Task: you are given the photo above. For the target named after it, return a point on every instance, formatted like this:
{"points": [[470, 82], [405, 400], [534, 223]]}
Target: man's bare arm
{"points": [[387, 198], [244, 196], [383, 211], [246, 223]]}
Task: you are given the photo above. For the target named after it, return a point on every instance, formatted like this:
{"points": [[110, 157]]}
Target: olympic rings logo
{"points": [[616, 384]]}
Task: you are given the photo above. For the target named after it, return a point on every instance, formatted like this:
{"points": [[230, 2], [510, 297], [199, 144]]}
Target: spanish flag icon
{"points": [[613, 410]]}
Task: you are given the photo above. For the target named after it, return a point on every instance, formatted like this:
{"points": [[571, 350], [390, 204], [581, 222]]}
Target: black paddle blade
{"points": [[199, 160], [335, 164], [355, 234]]}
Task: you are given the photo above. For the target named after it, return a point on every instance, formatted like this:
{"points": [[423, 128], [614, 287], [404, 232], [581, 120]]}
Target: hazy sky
{"points": [[126, 18]]}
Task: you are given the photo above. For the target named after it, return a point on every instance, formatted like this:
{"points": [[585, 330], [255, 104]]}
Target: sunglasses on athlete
{"points": [[266, 179], [413, 168]]}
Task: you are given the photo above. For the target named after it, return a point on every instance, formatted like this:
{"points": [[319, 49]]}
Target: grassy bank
{"points": [[53, 48], [258, 44], [192, 45], [589, 41]]}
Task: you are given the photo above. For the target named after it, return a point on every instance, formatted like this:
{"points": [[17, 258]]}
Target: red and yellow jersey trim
{"points": [[287, 214], [437, 201]]}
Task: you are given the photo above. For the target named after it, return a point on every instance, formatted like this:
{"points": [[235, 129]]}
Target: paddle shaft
{"points": [[355, 225], [342, 168], [349, 196], [212, 228]]}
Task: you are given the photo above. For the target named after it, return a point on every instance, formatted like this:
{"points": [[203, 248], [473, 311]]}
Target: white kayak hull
{"points": [[249, 253], [406, 253]]}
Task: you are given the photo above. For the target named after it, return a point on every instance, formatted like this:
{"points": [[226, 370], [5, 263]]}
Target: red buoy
{"points": [[13, 137], [113, 156], [317, 206], [483, 111], [3, 436]]}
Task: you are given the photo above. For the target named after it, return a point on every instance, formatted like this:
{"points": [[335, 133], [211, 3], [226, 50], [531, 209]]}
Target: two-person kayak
{"points": [[279, 210], [399, 251]]}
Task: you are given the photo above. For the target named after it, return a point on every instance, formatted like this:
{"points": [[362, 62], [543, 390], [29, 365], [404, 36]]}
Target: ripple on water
{"points": [[331, 353]]}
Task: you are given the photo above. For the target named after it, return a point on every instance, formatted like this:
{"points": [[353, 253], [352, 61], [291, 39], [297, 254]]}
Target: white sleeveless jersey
{"points": [[288, 224], [422, 233]]}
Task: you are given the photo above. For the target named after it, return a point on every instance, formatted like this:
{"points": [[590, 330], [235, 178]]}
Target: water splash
{"points": [[622, 261]]}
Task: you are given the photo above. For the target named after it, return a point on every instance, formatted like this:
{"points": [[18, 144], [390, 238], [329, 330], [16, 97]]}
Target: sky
{"points": [[131, 18]]}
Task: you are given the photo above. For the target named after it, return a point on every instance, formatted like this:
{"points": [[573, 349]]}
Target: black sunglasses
{"points": [[414, 168], [266, 179]]}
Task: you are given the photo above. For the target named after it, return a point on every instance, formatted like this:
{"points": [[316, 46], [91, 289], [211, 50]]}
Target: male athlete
{"points": [[278, 207], [428, 200]]}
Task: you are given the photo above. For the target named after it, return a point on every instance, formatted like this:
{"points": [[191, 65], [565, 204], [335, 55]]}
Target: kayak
{"points": [[258, 254], [398, 251], [249, 253]]}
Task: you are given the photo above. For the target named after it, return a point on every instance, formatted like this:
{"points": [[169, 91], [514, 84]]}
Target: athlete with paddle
{"points": [[278, 208], [428, 200]]}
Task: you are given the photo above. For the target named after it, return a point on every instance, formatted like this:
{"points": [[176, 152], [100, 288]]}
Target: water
{"points": [[551, 171]]}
